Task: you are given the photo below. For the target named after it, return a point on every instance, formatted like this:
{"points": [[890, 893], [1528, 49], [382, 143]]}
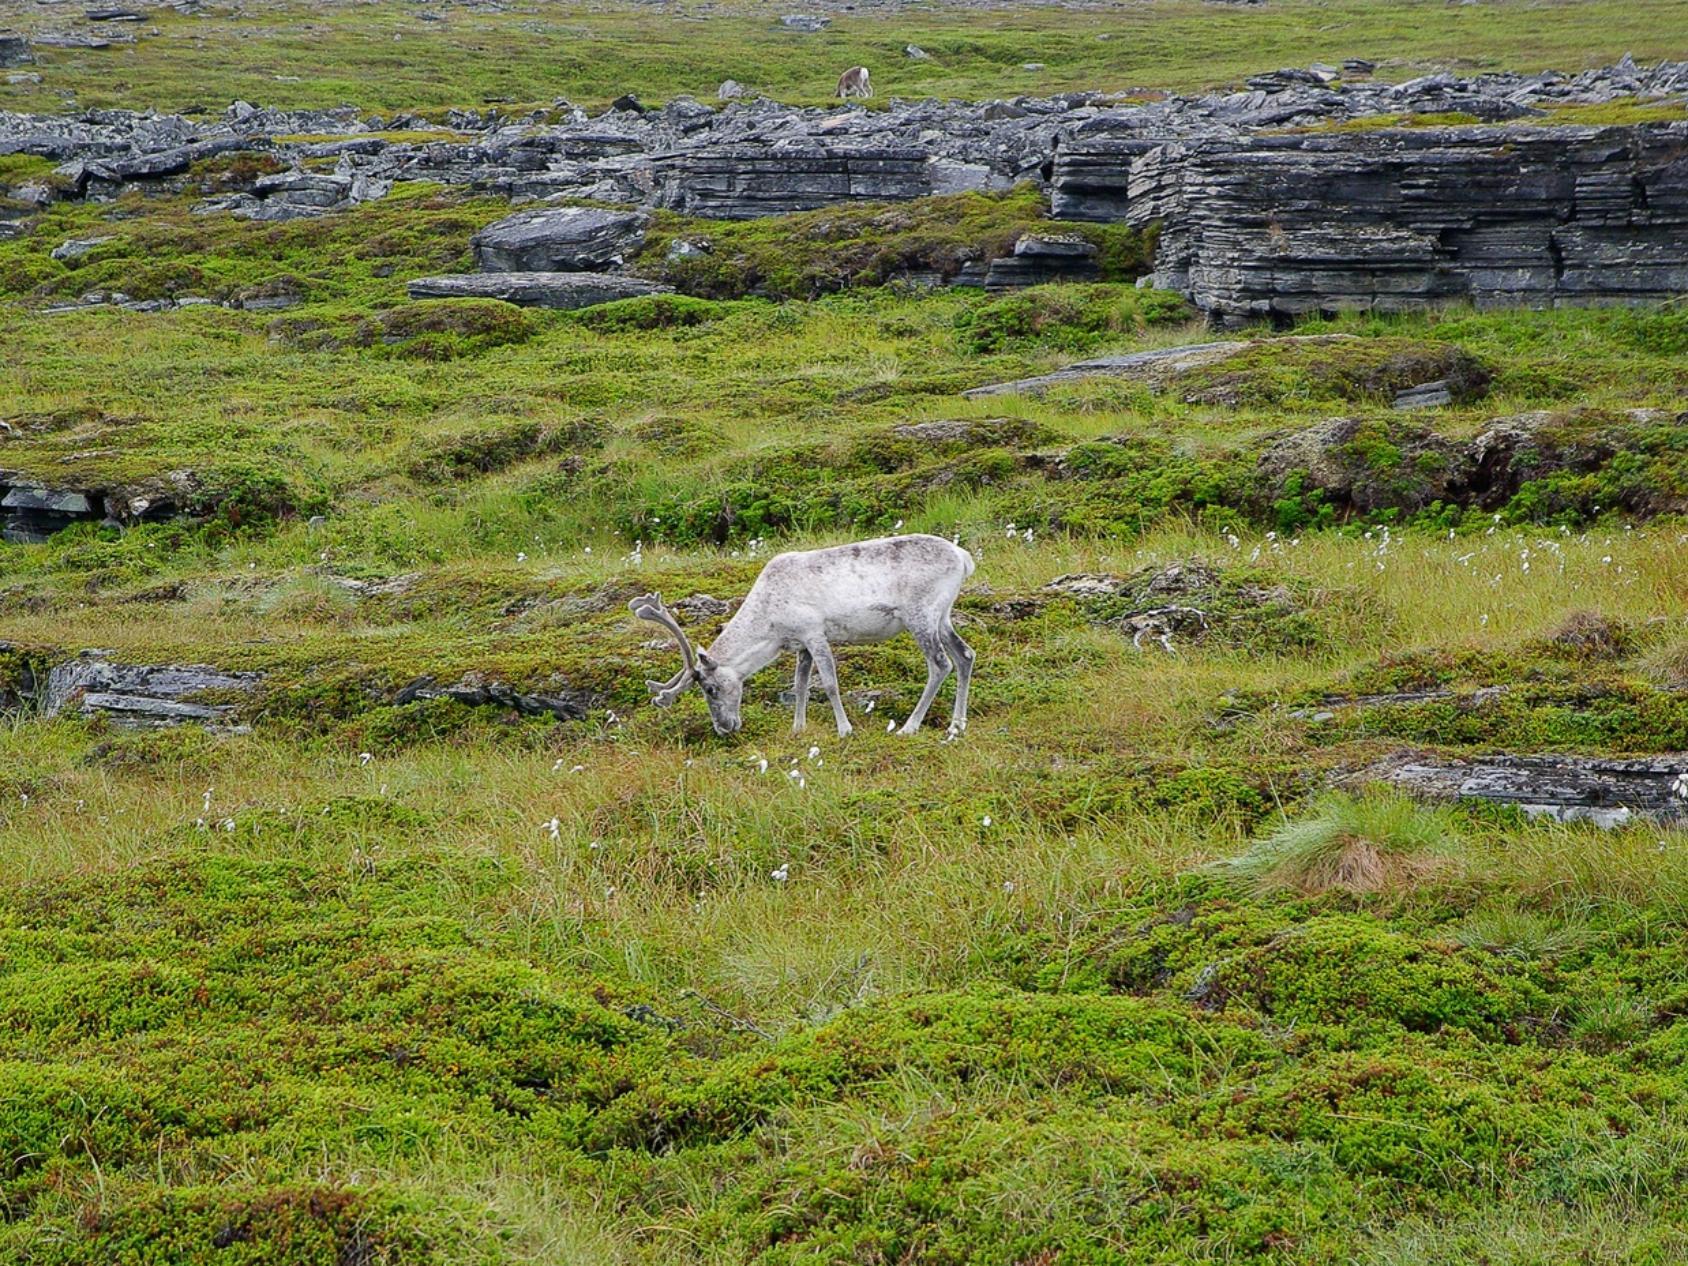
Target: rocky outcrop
{"points": [[559, 239], [14, 51], [1168, 360], [1361, 464], [740, 182], [141, 696], [1044, 257], [1220, 372], [30, 513], [474, 690], [1568, 788], [1079, 143], [1410, 218], [537, 290]]}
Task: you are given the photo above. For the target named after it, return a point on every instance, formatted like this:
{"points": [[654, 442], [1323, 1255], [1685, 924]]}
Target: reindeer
{"points": [[854, 83], [805, 601]]}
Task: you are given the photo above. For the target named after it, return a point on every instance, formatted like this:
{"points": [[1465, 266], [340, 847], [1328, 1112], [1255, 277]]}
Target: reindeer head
{"points": [[723, 689]]}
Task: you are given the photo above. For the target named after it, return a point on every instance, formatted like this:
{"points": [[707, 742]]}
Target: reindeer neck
{"points": [[746, 644]]}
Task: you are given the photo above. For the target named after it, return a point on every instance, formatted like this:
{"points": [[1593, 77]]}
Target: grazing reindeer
{"points": [[854, 83], [806, 601]]}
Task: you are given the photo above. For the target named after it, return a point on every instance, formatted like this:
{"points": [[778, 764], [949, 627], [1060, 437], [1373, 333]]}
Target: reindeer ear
{"points": [[705, 662]]}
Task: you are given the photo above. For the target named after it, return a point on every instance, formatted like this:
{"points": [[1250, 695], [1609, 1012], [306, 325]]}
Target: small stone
{"points": [[730, 90], [14, 51], [76, 247], [805, 22], [916, 54]]}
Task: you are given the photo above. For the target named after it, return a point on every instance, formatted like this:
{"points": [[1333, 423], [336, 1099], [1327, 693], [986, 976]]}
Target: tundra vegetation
{"points": [[427, 61], [1142, 969]]}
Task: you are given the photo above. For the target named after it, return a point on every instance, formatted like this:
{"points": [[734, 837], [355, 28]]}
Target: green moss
{"points": [[1368, 370], [818, 252], [1068, 318], [494, 446]]}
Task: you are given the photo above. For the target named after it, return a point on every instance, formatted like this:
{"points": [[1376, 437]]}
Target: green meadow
{"points": [[1144, 968], [389, 57]]}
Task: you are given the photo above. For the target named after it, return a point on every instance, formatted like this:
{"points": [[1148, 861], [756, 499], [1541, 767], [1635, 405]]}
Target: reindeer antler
{"points": [[649, 607]]}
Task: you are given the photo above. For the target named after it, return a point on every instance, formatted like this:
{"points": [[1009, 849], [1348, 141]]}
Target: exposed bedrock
{"points": [[1400, 219], [741, 182], [757, 156], [142, 696], [31, 511], [559, 239], [1255, 220], [1601, 790], [537, 290]]}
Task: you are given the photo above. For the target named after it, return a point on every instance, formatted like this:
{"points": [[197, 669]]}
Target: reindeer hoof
{"points": [[845, 730]]}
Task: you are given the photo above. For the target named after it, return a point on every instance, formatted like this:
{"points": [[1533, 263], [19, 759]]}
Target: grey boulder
{"points": [[538, 290], [559, 239]]}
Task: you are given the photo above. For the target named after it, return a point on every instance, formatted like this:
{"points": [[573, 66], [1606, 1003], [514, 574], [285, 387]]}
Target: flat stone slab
{"points": [[559, 239], [538, 290], [140, 695], [1605, 791], [1172, 359], [56, 501]]}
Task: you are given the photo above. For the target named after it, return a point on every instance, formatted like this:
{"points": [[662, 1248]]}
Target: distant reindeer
{"points": [[805, 601], [854, 82]]}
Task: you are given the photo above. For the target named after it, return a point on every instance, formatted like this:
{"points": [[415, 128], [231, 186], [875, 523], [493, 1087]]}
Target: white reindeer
{"points": [[854, 82], [805, 601]]}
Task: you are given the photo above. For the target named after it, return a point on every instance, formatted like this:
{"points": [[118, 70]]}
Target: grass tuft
{"points": [[1362, 845]]}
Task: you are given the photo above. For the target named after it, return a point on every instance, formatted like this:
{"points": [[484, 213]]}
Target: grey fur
{"points": [[808, 600]]}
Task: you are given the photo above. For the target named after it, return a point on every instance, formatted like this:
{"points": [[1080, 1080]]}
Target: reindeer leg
{"points": [[937, 668], [827, 666], [800, 688], [962, 656]]}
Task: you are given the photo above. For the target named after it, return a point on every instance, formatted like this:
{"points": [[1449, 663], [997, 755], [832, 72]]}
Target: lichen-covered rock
{"points": [[1410, 218], [559, 239], [14, 51], [736, 182], [30, 513], [1365, 464], [1601, 790], [537, 290], [141, 696]]}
